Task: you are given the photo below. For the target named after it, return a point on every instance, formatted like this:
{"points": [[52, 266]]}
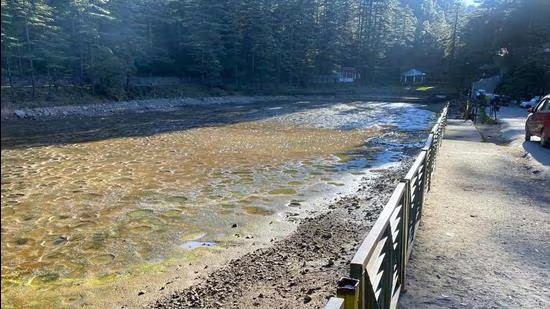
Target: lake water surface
{"points": [[95, 200]]}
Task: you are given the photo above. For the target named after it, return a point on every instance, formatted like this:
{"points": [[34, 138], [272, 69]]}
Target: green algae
{"points": [[283, 191], [254, 210]]}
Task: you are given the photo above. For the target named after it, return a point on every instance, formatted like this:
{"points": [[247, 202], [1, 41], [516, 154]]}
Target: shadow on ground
{"points": [[529, 187], [537, 152]]}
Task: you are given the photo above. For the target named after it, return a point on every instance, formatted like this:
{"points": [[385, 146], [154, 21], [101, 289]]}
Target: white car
{"points": [[531, 103]]}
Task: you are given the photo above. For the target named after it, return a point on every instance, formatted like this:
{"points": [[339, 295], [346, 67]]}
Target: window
{"points": [[542, 106]]}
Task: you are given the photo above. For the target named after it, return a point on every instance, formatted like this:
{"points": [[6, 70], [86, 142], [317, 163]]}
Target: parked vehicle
{"points": [[488, 96], [531, 103], [538, 122]]}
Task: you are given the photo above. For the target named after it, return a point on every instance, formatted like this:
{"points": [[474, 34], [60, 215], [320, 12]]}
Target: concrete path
{"points": [[484, 237]]}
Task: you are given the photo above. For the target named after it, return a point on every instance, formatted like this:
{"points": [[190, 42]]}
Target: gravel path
{"points": [[483, 242], [301, 270]]}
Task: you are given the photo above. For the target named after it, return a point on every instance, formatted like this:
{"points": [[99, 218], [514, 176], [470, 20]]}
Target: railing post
{"points": [[366, 297], [405, 232], [433, 154], [428, 167], [422, 189], [348, 289]]}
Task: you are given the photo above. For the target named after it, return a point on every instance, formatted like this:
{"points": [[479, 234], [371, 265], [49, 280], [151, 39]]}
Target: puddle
{"points": [[190, 245]]}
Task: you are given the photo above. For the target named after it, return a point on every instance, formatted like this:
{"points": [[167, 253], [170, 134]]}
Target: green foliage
{"points": [[108, 72], [511, 38], [271, 43]]}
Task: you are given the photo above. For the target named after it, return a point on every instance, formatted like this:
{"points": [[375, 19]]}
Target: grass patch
{"points": [[425, 88]]}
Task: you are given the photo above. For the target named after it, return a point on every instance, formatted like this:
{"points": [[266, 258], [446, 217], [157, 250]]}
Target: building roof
{"points": [[413, 72]]}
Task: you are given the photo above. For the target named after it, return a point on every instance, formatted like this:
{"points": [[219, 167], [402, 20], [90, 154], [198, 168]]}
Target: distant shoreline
{"points": [[166, 105]]}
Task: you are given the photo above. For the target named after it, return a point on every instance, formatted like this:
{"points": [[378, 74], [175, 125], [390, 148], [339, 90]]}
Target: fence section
{"points": [[377, 271]]}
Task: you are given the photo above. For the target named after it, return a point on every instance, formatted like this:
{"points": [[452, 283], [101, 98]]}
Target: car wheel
{"points": [[527, 134], [544, 140]]}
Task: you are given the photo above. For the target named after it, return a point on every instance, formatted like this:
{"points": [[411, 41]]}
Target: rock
{"points": [[234, 225], [140, 293], [20, 114], [330, 263], [60, 240], [294, 203], [307, 299]]}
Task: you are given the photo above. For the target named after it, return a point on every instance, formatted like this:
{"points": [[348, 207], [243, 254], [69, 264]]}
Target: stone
{"points": [[20, 114]]}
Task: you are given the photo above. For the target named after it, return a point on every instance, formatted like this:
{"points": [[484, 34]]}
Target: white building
{"points": [[413, 76]]}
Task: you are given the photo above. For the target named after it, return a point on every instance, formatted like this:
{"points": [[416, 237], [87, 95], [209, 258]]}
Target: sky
{"points": [[469, 2]]}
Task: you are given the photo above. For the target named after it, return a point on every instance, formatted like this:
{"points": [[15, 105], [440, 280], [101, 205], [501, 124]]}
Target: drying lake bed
{"points": [[91, 203]]}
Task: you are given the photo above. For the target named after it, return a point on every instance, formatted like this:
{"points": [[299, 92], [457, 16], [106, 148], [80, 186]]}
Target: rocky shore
{"points": [[161, 105], [131, 106]]}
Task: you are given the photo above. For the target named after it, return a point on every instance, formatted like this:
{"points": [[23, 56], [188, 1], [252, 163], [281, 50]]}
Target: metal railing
{"points": [[377, 271]]}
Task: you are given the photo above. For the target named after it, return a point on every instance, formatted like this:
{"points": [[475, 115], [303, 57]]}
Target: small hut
{"points": [[413, 76], [348, 75]]}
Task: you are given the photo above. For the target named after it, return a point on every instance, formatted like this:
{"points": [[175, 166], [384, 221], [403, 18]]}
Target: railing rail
{"points": [[377, 270]]}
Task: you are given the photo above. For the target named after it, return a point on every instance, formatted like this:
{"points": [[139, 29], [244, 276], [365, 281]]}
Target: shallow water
{"points": [[90, 199]]}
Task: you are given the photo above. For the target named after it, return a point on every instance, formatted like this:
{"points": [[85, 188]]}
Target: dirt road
{"points": [[483, 242]]}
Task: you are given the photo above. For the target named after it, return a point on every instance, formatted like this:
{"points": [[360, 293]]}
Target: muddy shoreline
{"points": [[300, 270]]}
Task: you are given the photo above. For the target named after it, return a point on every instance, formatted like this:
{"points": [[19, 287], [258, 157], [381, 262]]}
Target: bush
{"points": [[108, 75]]}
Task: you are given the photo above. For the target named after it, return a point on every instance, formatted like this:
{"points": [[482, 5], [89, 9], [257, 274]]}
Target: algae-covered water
{"points": [[92, 200]]}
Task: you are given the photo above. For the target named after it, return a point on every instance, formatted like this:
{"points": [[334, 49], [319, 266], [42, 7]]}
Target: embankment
{"points": [[166, 105]]}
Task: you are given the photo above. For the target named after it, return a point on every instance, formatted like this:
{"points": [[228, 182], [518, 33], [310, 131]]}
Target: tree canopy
{"points": [[106, 43]]}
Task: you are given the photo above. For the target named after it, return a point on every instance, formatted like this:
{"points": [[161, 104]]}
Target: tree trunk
{"points": [[149, 34], [31, 64], [10, 80], [20, 61], [253, 68], [49, 96]]}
